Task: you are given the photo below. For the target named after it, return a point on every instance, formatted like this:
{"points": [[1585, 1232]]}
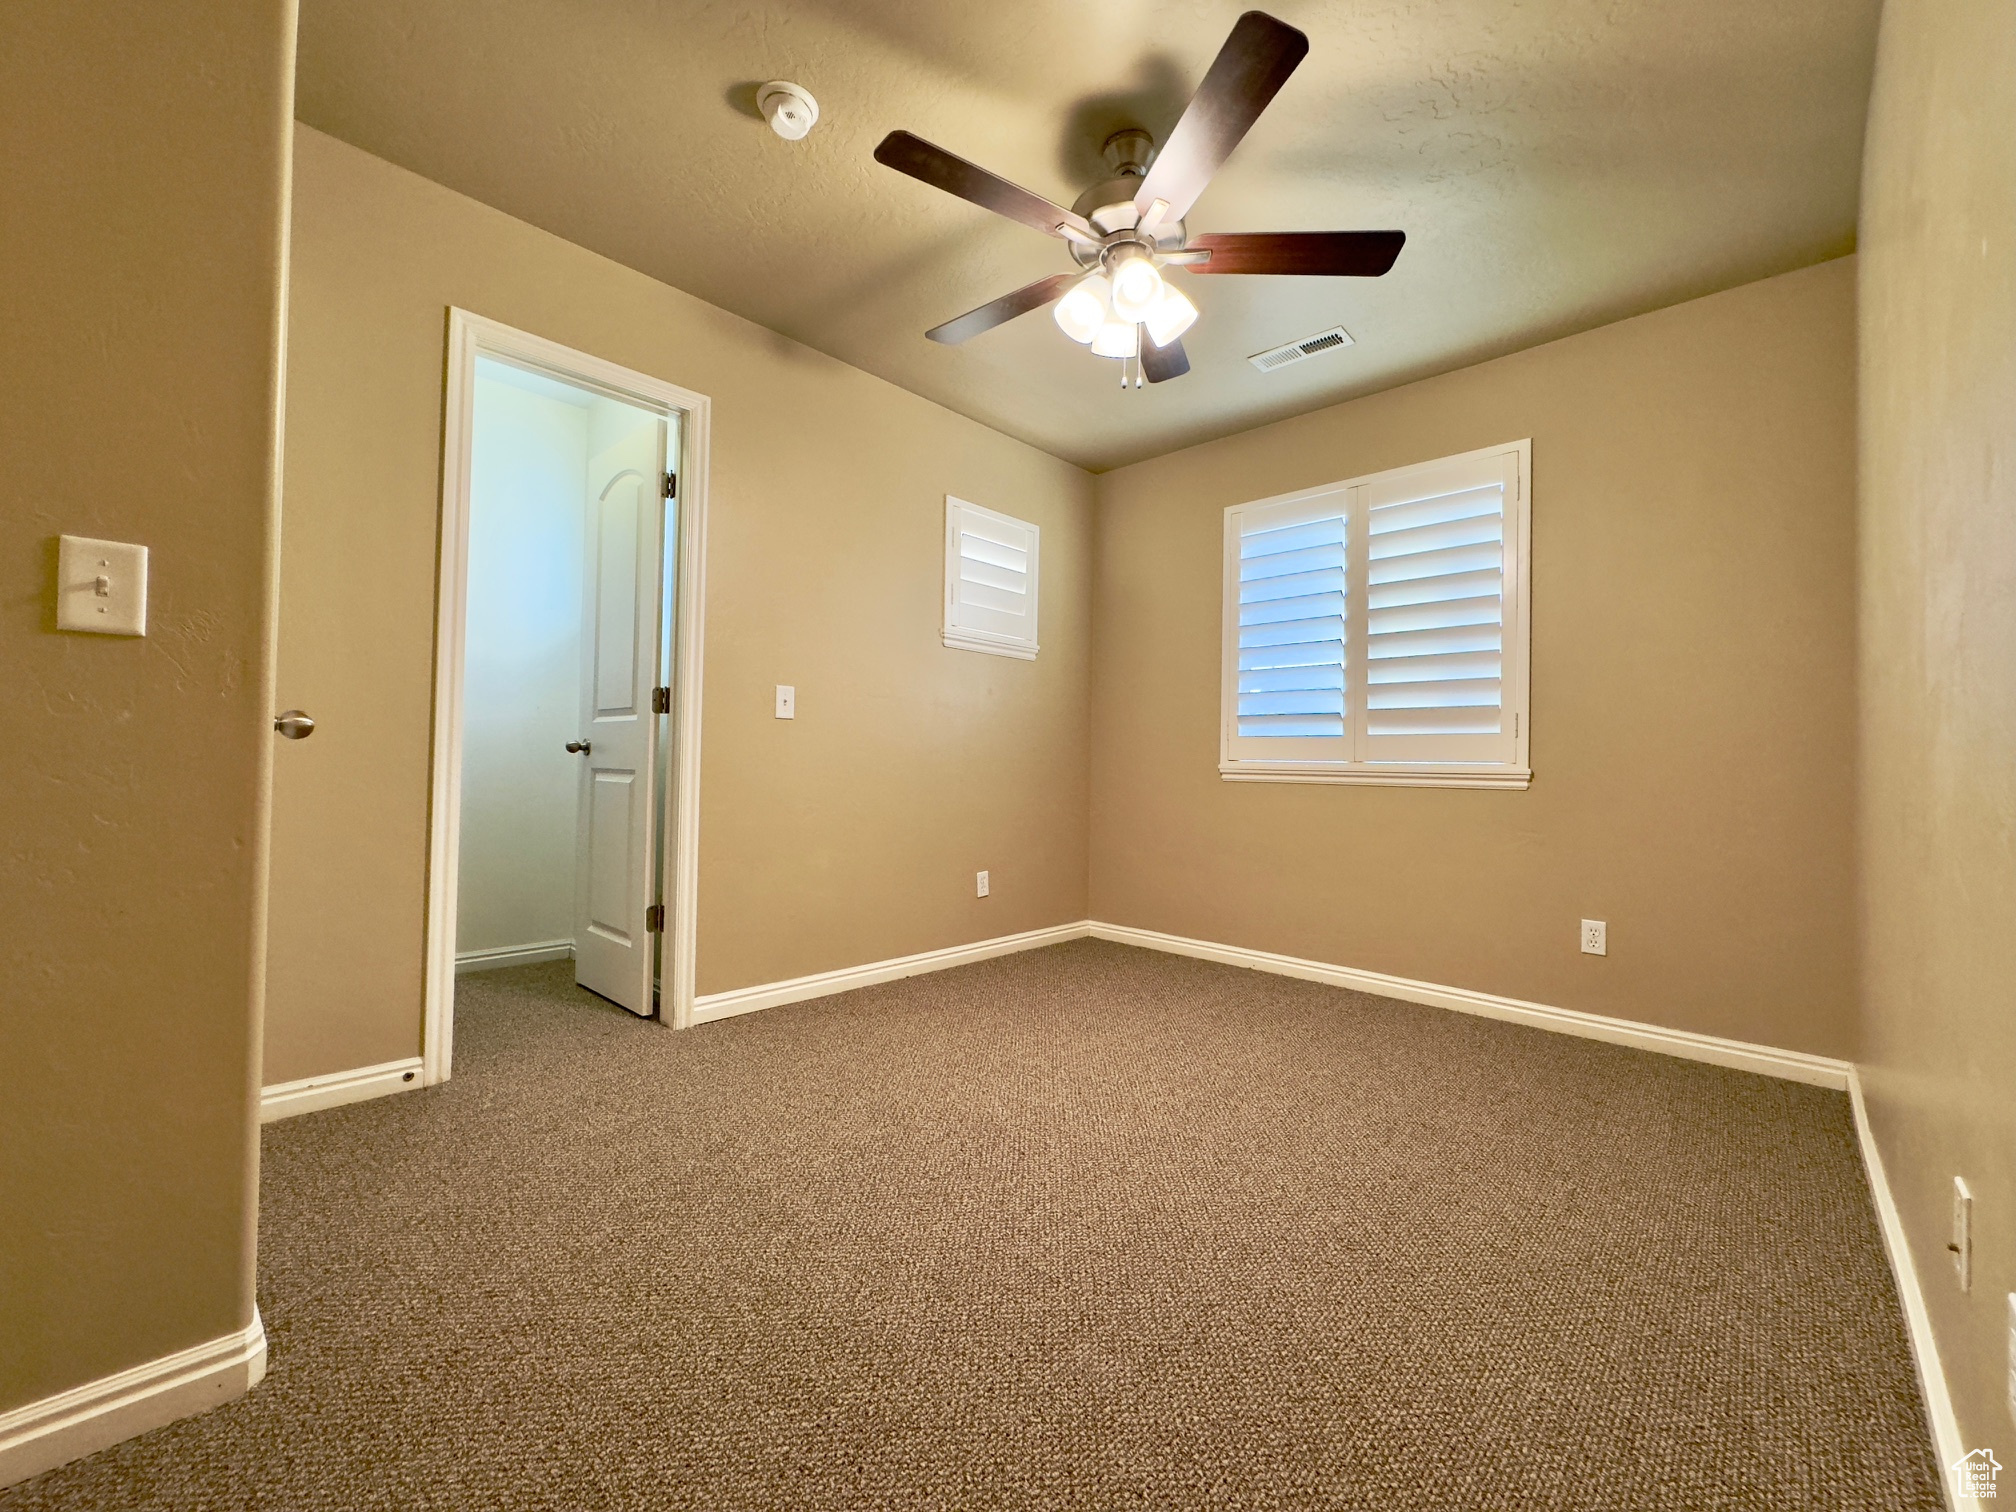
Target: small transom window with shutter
{"points": [[1376, 629], [990, 580]]}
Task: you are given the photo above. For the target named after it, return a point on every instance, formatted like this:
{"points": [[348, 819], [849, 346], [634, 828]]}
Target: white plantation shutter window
{"points": [[1290, 598], [991, 565], [1435, 613], [1376, 629]]}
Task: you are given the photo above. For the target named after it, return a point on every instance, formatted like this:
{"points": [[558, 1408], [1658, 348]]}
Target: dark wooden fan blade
{"points": [[944, 170], [1159, 364], [1248, 72], [1000, 311], [1352, 254]]}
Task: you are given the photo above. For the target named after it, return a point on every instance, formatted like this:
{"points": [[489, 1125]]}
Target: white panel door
{"points": [[616, 828]]}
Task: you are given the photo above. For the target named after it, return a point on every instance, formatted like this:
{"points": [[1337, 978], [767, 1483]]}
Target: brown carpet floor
{"points": [[1088, 1227]]}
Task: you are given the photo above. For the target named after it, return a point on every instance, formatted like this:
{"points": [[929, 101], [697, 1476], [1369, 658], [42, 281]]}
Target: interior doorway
{"points": [[567, 688], [559, 736]]}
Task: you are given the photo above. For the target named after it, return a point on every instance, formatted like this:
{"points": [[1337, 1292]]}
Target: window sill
{"points": [[962, 641], [1398, 774]]}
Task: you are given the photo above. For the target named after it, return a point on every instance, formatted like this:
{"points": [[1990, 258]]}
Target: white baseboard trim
{"points": [[1765, 1060], [512, 955], [285, 1099], [98, 1414], [1946, 1442], [1792, 1065], [720, 1005]]}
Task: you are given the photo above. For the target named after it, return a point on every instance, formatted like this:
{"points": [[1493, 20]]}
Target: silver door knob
{"points": [[578, 747], [294, 725]]}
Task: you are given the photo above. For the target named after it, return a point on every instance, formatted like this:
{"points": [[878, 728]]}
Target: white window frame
{"points": [[968, 637], [1239, 762]]}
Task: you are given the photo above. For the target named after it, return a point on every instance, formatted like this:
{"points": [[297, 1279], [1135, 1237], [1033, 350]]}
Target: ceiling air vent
{"points": [[1333, 340]]}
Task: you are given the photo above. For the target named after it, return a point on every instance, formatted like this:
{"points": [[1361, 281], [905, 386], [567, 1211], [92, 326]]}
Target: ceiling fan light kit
{"points": [[1117, 338], [1172, 316], [1136, 285], [1125, 231], [1080, 313]]}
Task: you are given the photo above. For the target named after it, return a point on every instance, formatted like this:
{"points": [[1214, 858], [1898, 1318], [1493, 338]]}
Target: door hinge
{"points": [[671, 485], [654, 919], [661, 700]]}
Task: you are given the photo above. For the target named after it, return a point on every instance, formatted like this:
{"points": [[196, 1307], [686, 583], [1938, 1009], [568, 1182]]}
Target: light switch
{"points": [[787, 702], [101, 586]]}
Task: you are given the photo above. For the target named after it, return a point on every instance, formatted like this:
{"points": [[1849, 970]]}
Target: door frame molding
{"points": [[471, 336]]}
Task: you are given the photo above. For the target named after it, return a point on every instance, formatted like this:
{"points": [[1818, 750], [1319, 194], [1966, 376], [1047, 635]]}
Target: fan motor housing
{"points": [[1116, 216], [1109, 206]]}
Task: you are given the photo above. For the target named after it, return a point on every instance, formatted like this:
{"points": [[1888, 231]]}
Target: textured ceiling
{"points": [[1556, 164]]}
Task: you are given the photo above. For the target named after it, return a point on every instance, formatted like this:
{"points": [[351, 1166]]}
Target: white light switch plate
{"points": [[1595, 937], [980, 884], [787, 702], [101, 586]]}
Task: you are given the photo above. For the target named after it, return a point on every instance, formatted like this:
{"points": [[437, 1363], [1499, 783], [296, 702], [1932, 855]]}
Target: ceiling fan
{"points": [[1124, 231]]}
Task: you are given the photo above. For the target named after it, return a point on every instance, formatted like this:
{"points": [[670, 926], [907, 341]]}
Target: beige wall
{"points": [[848, 835], [1938, 801], [1692, 705], [141, 252]]}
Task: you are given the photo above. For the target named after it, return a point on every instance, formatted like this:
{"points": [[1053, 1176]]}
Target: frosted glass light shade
{"points": [[1172, 316], [1136, 288], [1082, 311], [1117, 338]]}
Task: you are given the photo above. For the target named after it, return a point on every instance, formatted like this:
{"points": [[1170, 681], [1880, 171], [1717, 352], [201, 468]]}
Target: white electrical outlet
{"points": [[1963, 1234], [787, 702], [979, 884], [1595, 937]]}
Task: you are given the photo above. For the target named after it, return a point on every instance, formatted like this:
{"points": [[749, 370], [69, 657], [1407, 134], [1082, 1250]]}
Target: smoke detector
{"points": [[1333, 340], [790, 111]]}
